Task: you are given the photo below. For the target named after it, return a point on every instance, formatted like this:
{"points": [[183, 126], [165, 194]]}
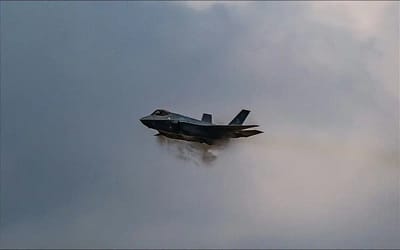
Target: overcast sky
{"points": [[78, 169]]}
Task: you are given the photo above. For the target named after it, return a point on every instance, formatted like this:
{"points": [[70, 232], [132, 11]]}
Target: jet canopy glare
{"points": [[160, 112]]}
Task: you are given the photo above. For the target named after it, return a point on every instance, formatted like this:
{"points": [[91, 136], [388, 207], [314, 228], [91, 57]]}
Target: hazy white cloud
{"points": [[376, 23], [207, 5], [200, 5], [363, 20]]}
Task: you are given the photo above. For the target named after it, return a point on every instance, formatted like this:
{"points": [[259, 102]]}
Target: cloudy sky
{"points": [[78, 169]]}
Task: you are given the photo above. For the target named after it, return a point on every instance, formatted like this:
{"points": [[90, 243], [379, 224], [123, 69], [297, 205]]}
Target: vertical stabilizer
{"points": [[239, 118], [206, 118]]}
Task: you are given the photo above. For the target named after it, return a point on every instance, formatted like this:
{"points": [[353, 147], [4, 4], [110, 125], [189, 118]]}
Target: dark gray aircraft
{"points": [[181, 127]]}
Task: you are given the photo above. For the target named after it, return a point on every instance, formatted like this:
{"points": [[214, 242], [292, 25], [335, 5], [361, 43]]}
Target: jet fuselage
{"points": [[181, 127]]}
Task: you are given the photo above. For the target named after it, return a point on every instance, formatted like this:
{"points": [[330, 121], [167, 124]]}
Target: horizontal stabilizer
{"points": [[206, 118], [239, 118], [247, 133]]}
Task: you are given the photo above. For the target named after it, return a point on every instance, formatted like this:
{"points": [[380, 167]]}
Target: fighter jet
{"points": [[177, 126]]}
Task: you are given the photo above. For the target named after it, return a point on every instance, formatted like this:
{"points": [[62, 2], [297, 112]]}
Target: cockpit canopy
{"points": [[160, 112]]}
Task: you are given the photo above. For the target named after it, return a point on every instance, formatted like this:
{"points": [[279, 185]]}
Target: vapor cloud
{"points": [[197, 153]]}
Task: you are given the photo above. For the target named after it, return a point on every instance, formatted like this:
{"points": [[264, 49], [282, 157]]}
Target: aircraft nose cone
{"points": [[146, 121]]}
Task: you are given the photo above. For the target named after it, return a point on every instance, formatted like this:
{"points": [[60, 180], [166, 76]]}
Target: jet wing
{"points": [[212, 131], [217, 127]]}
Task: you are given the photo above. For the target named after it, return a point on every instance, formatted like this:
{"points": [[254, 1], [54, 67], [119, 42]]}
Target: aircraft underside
{"points": [[184, 137], [208, 140]]}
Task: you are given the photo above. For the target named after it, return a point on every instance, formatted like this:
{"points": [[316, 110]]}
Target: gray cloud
{"points": [[78, 169]]}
